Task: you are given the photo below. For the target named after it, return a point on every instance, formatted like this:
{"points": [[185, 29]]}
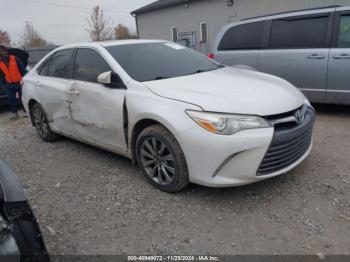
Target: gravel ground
{"points": [[89, 201]]}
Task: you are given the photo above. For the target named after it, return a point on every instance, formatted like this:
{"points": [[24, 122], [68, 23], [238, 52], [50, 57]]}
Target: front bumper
{"points": [[224, 161]]}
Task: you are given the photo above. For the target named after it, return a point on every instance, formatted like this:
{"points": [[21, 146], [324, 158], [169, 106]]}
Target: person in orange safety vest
{"points": [[11, 72]]}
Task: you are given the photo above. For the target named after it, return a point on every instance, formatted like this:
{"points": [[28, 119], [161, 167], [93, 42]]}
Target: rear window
{"points": [[299, 33], [58, 65], [44, 67], [246, 36]]}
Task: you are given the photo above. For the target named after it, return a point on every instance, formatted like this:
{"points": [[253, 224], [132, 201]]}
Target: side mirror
{"points": [[105, 78], [111, 80]]}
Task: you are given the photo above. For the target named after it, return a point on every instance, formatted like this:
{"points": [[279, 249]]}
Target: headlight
{"points": [[226, 124]]}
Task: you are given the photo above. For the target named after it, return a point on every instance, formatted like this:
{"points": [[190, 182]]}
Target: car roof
{"points": [[297, 12], [111, 43], [280, 15]]}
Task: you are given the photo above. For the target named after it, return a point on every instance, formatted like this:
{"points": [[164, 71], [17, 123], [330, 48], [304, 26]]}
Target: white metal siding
{"points": [[187, 18]]}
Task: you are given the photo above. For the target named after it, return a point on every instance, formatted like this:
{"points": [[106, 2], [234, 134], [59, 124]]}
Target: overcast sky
{"points": [[63, 21]]}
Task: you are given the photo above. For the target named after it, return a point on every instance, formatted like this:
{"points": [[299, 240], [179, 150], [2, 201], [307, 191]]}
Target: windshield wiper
{"points": [[156, 78], [201, 71], [161, 77]]}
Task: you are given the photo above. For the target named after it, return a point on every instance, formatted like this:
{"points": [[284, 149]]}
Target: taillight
{"points": [[211, 56]]}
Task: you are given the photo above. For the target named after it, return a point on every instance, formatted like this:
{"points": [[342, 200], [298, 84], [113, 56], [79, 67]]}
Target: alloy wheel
{"points": [[158, 161], [41, 122]]}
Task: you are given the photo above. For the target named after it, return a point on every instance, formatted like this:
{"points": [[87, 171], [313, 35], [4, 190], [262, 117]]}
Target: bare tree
{"points": [[31, 37], [122, 32], [99, 28], [5, 38]]}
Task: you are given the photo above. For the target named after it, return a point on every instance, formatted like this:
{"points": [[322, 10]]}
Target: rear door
{"points": [[97, 110], [54, 81], [297, 50], [240, 44], [338, 88]]}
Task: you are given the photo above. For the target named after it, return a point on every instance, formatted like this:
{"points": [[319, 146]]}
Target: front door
{"points": [[96, 110], [338, 88], [298, 52]]}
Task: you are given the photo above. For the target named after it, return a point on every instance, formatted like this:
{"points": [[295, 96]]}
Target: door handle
{"points": [[342, 56], [316, 56], [38, 84]]}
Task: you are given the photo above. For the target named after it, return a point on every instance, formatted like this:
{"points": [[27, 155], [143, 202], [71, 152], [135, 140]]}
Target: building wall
{"points": [[187, 18]]}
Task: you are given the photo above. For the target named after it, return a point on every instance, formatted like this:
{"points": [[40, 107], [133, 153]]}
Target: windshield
{"points": [[155, 61]]}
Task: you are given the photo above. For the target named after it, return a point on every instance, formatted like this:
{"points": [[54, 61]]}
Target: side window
{"points": [[344, 32], [60, 64], [89, 65], [245, 36], [44, 68], [204, 32], [299, 33]]}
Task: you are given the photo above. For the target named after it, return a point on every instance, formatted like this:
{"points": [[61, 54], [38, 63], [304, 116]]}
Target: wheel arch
{"points": [[141, 125], [31, 104]]}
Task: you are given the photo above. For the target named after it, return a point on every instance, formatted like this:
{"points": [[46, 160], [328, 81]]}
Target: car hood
{"points": [[232, 90]]}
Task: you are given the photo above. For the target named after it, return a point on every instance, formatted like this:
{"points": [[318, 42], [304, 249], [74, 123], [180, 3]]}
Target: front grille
{"points": [[289, 144]]}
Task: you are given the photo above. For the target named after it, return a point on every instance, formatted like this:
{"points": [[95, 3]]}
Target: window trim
{"points": [[336, 28], [330, 16], [172, 33], [201, 32]]}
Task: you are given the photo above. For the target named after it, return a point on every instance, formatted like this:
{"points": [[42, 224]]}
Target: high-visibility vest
{"points": [[12, 73]]}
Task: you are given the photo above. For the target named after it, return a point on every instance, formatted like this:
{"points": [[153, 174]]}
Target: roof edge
{"points": [[150, 7]]}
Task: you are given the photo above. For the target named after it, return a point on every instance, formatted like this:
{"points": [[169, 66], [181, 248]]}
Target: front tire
{"points": [[161, 159], [41, 124]]}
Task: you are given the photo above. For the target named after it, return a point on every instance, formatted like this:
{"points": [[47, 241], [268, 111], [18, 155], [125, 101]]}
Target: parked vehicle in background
{"points": [[38, 53], [20, 236], [183, 117], [3, 97], [24, 56], [310, 49]]}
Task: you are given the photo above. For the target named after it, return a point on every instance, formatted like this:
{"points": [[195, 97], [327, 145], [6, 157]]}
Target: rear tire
{"points": [[41, 124], [161, 159]]}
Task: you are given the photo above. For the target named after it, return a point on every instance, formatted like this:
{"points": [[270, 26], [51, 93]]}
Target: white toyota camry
{"points": [[181, 116]]}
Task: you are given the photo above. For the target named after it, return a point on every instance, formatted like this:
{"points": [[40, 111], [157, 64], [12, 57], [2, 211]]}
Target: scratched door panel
{"points": [[55, 101], [97, 113]]}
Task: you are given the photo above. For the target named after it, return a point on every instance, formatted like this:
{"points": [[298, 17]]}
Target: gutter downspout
{"points": [[137, 25]]}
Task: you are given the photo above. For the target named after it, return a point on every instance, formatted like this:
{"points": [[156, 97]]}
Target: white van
{"points": [[309, 48]]}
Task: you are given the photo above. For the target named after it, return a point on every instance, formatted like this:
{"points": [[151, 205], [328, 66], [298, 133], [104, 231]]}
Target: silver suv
{"points": [[309, 48]]}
